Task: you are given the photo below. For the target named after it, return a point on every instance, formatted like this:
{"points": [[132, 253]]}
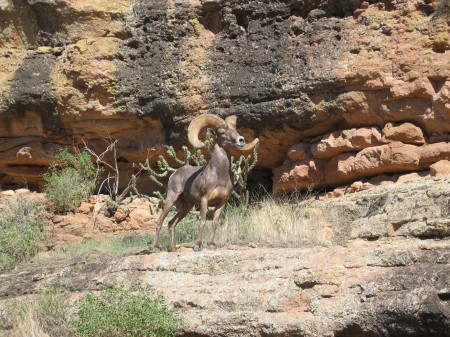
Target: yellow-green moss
{"points": [[194, 22]]}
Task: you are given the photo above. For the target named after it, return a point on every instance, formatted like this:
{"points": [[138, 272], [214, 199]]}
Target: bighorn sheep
{"points": [[203, 186]]}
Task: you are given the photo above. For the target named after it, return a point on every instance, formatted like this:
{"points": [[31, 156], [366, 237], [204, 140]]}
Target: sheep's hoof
{"points": [[155, 250], [197, 248], [211, 247]]}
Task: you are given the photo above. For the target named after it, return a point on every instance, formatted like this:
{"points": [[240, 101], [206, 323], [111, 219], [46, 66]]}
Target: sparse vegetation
{"points": [[117, 312], [21, 230], [50, 309], [241, 168], [194, 22], [116, 245], [187, 231], [269, 222], [442, 9], [70, 179], [46, 315], [112, 312], [108, 160]]}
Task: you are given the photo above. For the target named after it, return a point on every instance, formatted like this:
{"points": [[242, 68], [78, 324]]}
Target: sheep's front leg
{"points": [[203, 211]]}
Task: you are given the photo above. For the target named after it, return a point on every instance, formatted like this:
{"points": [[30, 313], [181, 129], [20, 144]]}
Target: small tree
{"points": [[112, 180], [69, 180]]}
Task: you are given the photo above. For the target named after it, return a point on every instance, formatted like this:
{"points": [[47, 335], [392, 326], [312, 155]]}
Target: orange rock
{"points": [[408, 177], [85, 208], [352, 140], [366, 186], [7, 193], [374, 160], [356, 186], [406, 133], [135, 225], [120, 215], [299, 151], [338, 192], [432, 153], [440, 168]]}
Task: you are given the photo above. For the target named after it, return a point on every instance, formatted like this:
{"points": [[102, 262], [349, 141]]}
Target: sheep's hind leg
{"points": [[210, 243], [170, 200], [183, 210], [203, 211]]}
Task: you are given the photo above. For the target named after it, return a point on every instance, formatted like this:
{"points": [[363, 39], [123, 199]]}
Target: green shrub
{"points": [[117, 312], [21, 230], [115, 245], [187, 233], [69, 180]]}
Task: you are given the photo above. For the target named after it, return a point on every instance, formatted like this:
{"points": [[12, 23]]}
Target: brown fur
{"points": [[202, 186]]}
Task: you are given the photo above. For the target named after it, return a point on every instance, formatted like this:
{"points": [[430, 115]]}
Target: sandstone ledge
{"points": [[378, 288]]}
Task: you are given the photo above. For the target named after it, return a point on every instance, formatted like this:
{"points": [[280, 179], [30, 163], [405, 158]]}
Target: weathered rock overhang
{"points": [[140, 70]]}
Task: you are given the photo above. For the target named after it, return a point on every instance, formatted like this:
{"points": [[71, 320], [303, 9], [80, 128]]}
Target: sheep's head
{"points": [[224, 131]]}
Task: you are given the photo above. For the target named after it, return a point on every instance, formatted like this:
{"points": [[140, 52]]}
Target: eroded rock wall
{"points": [[140, 70], [347, 156]]}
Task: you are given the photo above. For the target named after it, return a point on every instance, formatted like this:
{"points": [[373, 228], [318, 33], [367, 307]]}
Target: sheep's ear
{"points": [[211, 132], [231, 121]]}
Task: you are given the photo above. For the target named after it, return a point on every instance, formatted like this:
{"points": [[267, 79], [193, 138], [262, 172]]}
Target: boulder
{"points": [[299, 151], [353, 140], [441, 168], [406, 133]]}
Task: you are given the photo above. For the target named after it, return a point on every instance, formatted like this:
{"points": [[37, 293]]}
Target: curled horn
{"points": [[231, 122], [199, 123], [250, 146]]}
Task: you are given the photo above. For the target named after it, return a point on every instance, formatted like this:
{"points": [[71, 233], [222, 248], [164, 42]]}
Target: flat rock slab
{"points": [[381, 288]]}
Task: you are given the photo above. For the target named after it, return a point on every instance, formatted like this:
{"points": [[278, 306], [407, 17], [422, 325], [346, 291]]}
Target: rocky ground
{"points": [[89, 221], [384, 272], [389, 287]]}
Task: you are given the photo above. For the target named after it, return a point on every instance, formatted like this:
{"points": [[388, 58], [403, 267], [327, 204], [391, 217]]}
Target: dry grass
{"points": [[46, 315], [442, 9], [272, 223], [29, 327]]}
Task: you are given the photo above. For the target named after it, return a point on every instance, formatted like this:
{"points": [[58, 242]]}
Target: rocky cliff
{"points": [[297, 73]]}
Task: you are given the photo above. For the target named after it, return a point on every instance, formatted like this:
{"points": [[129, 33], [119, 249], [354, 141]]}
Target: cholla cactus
{"points": [[240, 167]]}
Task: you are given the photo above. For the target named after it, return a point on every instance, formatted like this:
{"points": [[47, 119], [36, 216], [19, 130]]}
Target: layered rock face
{"points": [[343, 157], [138, 71]]}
